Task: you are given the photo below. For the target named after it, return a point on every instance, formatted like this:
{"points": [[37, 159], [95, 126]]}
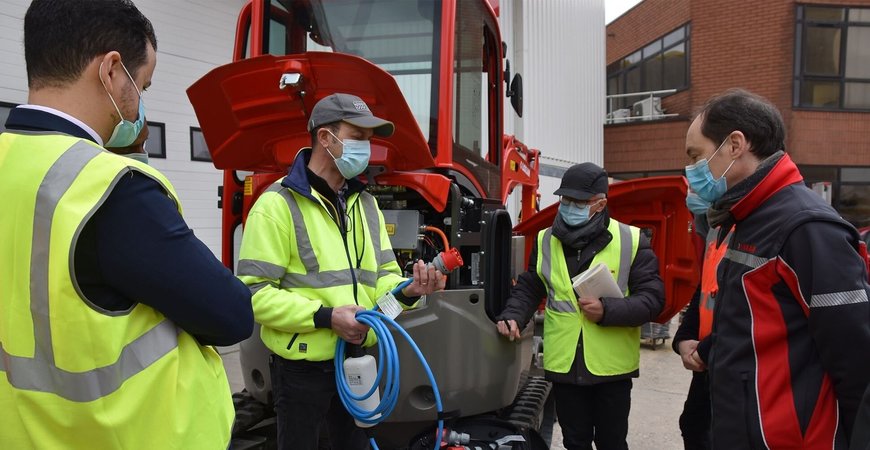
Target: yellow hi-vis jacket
{"points": [[606, 350], [74, 376], [295, 260]]}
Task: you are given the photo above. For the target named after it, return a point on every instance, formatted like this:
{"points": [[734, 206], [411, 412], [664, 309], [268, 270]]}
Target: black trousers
{"points": [[597, 413], [696, 416], [306, 399]]}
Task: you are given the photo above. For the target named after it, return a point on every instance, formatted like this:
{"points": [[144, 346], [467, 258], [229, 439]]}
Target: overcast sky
{"points": [[615, 8]]}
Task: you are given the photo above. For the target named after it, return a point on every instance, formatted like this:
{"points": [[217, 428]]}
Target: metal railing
{"points": [[650, 107]]}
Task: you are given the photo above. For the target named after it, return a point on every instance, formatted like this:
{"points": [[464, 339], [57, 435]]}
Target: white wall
{"points": [[193, 36], [559, 48]]}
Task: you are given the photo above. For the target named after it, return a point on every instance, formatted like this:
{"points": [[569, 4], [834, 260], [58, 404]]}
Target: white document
{"points": [[596, 282], [390, 306]]}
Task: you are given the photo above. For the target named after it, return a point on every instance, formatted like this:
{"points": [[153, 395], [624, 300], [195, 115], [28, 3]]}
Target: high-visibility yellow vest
{"points": [[606, 350], [294, 259], [72, 375]]}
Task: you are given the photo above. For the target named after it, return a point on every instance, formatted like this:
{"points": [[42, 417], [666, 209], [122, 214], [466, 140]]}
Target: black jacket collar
{"points": [[299, 178]]}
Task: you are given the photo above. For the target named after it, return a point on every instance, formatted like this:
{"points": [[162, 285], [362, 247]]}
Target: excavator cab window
{"points": [[476, 96], [400, 36]]}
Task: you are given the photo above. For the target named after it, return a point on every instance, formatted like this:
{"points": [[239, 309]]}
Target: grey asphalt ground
{"points": [[656, 399]]}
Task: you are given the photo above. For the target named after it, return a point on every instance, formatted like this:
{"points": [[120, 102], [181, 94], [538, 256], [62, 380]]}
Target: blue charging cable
{"points": [[388, 368]]}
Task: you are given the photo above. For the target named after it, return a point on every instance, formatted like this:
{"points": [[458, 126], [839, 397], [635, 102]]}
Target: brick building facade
{"points": [[810, 58]]}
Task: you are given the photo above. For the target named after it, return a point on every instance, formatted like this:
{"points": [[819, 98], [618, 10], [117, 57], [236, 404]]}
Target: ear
{"points": [[111, 72], [602, 203], [738, 144], [323, 137]]}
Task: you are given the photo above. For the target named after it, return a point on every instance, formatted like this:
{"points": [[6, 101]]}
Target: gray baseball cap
{"points": [[351, 109]]}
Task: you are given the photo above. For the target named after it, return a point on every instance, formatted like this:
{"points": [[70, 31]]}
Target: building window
{"points": [[4, 114], [155, 144], [661, 64], [832, 58], [847, 189], [198, 149]]}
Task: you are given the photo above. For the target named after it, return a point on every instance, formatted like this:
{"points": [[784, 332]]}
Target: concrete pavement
{"points": [[656, 401], [657, 397]]}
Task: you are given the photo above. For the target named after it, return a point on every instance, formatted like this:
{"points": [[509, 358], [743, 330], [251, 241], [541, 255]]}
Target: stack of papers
{"points": [[596, 282]]}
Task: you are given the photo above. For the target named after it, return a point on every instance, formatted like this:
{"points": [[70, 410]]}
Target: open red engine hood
{"points": [[657, 204], [250, 123]]}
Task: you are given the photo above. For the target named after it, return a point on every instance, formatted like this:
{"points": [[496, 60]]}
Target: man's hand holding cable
{"points": [[345, 325], [426, 281]]}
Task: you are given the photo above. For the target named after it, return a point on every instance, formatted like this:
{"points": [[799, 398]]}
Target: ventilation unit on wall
{"points": [[619, 116], [648, 108]]}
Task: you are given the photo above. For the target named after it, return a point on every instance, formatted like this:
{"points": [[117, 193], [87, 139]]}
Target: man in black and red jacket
{"points": [[788, 364]]}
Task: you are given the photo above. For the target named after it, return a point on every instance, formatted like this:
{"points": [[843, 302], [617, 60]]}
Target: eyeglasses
{"points": [[580, 204]]}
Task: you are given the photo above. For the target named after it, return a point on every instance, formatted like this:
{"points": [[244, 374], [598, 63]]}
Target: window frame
{"points": [[193, 156], [837, 182], [800, 76], [621, 69], [162, 127]]}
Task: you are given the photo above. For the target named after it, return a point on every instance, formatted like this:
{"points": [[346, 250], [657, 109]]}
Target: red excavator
{"points": [[435, 68]]}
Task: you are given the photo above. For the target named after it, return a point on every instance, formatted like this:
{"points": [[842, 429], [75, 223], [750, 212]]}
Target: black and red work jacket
{"points": [[789, 360]]}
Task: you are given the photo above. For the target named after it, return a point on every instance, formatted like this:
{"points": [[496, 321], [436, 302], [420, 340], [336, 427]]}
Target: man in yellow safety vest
{"points": [[109, 304], [591, 345]]}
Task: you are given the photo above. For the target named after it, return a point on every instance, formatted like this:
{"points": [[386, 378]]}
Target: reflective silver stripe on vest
{"points": [[561, 305], [314, 277], [367, 277], [327, 278], [374, 226], [40, 372], [566, 306], [385, 257], [624, 257], [256, 287], [839, 298], [744, 258], [303, 241], [547, 264], [625, 254], [260, 269]]}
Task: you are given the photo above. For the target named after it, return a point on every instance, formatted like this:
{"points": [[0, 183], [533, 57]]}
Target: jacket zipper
{"points": [[750, 432], [341, 229], [292, 340]]}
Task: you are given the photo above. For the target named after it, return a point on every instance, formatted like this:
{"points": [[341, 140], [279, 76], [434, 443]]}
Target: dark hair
{"points": [[61, 37], [333, 126], [752, 115]]}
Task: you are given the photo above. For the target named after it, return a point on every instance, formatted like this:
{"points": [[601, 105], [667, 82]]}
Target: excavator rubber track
{"points": [[533, 408]]}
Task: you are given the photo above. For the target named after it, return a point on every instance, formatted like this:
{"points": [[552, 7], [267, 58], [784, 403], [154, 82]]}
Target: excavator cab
{"points": [[434, 68]]}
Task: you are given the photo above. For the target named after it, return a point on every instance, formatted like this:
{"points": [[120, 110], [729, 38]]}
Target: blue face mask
{"points": [[354, 157], [125, 132], [696, 204], [703, 183], [574, 215]]}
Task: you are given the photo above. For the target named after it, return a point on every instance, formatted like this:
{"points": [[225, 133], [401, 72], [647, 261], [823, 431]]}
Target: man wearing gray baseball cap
{"points": [[314, 252]]}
